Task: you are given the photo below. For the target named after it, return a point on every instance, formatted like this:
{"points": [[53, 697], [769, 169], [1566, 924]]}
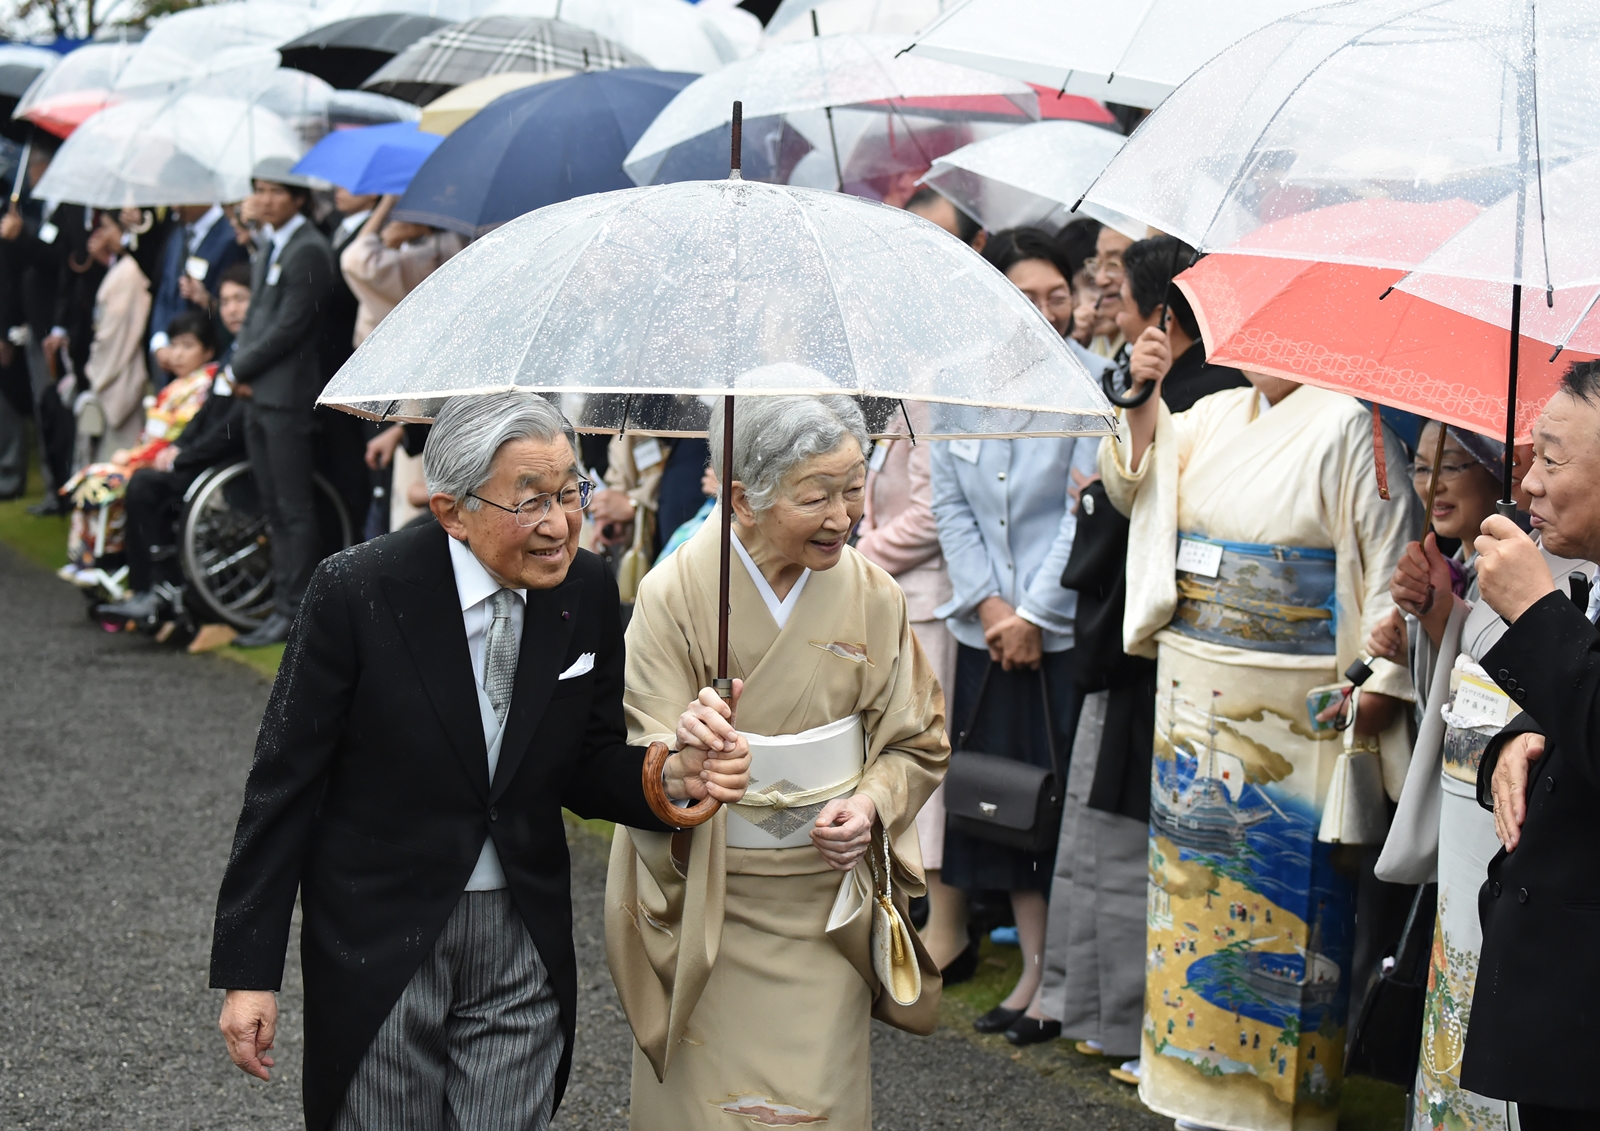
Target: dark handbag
{"points": [[1387, 1040], [1001, 800]]}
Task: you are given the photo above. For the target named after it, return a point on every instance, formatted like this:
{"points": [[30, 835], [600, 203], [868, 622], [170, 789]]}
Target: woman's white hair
{"points": [[468, 433], [772, 435]]}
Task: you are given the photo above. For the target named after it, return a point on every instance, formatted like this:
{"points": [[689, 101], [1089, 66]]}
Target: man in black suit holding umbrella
{"points": [[1535, 1034], [446, 691]]}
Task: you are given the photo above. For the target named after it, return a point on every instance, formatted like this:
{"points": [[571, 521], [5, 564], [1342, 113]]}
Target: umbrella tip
{"points": [[736, 157], [1387, 292], [1549, 297], [1075, 204]]}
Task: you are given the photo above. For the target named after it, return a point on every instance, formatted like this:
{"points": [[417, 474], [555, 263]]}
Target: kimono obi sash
{"points": [[792, 776], [1265, 598]]}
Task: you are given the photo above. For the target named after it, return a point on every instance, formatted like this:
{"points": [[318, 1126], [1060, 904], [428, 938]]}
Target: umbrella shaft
{"points": [[1506, 506], [727, 546]]}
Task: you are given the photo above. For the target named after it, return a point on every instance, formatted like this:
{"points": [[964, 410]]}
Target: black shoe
{"points": [[1031, 1031], [52, 507], [273, 630], [144, 609], [997, 1020], [962, 967]]}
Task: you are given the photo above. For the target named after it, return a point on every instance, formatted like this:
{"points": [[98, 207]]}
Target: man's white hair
{"points": [[772, 435], [469, 431]]}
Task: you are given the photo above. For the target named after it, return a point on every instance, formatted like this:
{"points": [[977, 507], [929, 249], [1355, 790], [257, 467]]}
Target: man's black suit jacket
{"points": [[1535, 1031], [370, 793], [278, 354]]}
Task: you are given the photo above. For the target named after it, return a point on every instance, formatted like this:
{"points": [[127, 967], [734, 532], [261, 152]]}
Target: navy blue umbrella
{"points": [[536, 146]]}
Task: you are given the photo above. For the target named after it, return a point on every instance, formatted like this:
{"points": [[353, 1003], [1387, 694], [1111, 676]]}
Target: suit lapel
{"points": [[547, 624], [428, 611]]}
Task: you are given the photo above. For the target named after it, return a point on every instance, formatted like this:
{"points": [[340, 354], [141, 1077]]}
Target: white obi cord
{"points": [[792, 776]]}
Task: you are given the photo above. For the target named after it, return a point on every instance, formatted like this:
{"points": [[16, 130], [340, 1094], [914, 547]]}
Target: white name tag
{"points": [[880, 454], [966, 449], [1202, 558], [274, 273], [48, 232], [220, 387], [1482, 702], [646, 453], [197, 268]]}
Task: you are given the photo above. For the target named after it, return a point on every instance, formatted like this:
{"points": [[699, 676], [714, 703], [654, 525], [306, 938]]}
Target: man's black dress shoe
{"points": [[997, 1020], [1031, 1031], [273, 630]]}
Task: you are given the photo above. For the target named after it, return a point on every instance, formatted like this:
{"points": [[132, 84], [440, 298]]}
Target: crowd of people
{"points": [[1271, 652]]}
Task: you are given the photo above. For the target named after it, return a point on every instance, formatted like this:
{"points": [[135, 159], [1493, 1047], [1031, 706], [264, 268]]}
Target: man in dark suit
{"points": [[1535, 1033], [342, 438], [277, 368], [446, 691], [198, 249]]}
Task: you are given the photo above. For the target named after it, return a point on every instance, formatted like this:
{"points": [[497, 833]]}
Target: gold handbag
{"points": [[635, 561], [894, 957]]}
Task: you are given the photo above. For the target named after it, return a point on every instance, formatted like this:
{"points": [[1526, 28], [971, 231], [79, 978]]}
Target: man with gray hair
{"points": [[445, 692]]}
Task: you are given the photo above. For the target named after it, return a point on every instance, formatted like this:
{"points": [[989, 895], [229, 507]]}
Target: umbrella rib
{"points": [[1538, 153], [844, 324]]}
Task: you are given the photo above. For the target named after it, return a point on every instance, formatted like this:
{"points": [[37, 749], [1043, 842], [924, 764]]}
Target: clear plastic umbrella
{"points": [[213, 40], [1135, 53], [1032, 175], [190, 147], [792, 20], [814, 76], [1416, 101], [78, 85]]}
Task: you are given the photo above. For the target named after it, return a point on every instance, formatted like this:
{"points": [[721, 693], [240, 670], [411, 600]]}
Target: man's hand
{"points": [[193, 290], [1151, 357], [249, 1022], [843, 830], [1512, 574], [52, 346], [1510, 786], [11, 224], [1388, 637], [240, 389], [380, 449], [165, 458], [713, 759]]}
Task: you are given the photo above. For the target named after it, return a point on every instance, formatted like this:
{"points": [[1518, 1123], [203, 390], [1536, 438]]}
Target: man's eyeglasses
{"points": [[531, 512], [1111, 265]]}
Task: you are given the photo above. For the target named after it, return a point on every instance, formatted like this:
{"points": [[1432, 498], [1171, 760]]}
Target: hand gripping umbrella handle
{"points": [[655, 793]]}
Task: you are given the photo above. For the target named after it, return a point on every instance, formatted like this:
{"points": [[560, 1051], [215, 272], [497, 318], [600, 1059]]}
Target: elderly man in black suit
{"points": [[277, 367], [446, 691], [1535, 1033]]}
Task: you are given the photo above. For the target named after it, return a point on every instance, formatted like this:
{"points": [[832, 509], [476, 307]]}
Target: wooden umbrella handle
{"points": [[655, 793]]}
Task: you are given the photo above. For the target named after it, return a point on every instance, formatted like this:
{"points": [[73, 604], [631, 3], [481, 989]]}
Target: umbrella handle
{"points": [[1129, 400], [655, 793]]}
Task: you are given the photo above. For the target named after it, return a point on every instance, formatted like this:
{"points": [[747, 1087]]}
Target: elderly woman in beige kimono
{"points": [[743, 1004]]}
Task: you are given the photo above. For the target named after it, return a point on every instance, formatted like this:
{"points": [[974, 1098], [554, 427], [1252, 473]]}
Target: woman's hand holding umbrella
{"points": [[1420, 577], [1148, 363], [713, 759]]}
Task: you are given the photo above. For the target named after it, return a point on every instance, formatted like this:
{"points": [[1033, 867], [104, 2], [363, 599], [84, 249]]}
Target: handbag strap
{"points": [[977, 704], [1049, 721]]}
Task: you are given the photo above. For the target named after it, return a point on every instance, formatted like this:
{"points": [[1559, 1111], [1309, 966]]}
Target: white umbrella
{"points": [[815, 75], [1134, 53], [213, 40], [1031, 176], [792, 20], [76, 86], [191, 147]]}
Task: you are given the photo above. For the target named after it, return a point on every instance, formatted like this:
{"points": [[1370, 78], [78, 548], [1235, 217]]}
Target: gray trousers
{"points": [[474, 1041], [1095, 938], [278, 441]]}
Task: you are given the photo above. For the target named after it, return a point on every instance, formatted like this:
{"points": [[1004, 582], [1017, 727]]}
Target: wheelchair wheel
{"points": [[226, 549]]}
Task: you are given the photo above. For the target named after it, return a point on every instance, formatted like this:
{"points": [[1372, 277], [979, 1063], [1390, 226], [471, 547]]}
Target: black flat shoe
{"points": [[962, 967], [1031, 1031], [997, 1020]]}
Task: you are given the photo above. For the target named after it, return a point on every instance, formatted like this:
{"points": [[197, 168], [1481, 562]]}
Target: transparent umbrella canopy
{"points": [[1031, 175], [682, 291], [80, 84], [792, 20], [213, 40], [1415, 101]]}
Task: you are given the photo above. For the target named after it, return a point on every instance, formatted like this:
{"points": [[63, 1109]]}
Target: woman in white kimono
{"points": [[744, 1005], [1440, 832], [1258, 564]]}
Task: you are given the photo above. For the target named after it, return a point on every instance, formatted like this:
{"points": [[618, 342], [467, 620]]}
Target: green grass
{"points": [[264, 661], [41, 540]]}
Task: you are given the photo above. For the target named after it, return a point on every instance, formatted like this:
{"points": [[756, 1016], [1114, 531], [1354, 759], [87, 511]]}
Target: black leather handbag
{"points": [[1001, 800], [1387, 1041]]}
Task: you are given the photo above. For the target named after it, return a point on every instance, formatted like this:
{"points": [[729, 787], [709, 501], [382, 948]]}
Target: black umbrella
{"points": [[346, 52]]}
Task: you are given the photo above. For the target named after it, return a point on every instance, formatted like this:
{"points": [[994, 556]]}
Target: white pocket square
{"points": [[583, 665]]}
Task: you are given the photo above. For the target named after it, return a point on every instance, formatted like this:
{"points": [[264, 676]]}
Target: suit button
{"points": [[1511, 685], [1494, 888], [1522, 895], [1503, 675], [494, 814], [1519, 695], [1549, 785]]}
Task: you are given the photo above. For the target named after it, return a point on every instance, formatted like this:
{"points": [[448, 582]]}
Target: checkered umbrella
{"points": [[438, 63]]}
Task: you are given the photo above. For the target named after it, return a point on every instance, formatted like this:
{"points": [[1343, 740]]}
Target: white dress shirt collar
{"points": [[201, 228], [281, 236], [474, 584]]}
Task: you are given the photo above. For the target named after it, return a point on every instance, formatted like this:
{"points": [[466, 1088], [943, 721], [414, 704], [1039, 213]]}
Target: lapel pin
{"points": [[565, 615]]}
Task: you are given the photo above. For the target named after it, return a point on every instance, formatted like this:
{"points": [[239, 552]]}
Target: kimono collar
{"points": [[780, 610]]}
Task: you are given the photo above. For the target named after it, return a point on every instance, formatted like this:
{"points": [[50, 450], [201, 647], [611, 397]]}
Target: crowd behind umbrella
{"points": [[1387, 200]]}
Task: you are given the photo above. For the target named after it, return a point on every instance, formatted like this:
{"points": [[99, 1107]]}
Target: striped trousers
{"points": [[474, 1040]]}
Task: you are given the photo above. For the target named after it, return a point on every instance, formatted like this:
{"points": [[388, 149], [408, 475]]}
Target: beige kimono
{"points": [[742, 1006], [116, 367]]}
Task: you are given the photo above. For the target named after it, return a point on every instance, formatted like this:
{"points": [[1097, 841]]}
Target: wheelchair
{"points": [[225, 550]]}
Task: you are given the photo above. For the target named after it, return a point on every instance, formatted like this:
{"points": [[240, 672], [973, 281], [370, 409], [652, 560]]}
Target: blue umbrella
{"points": [[372, 159], [536, 146]]}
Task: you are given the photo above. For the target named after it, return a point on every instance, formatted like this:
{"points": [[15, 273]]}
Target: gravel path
{"points": [[121, 770]]}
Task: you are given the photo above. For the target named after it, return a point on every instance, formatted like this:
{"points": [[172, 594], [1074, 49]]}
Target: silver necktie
{"points": [[500, 653]]}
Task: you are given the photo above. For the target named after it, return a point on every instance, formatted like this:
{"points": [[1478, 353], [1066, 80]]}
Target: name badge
{"points": [[880, 454], [966, 450], [48, 232], [222, 387], [196, 268], [274, 273], [646, 453], [1482, 702], [1202, 558]]}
